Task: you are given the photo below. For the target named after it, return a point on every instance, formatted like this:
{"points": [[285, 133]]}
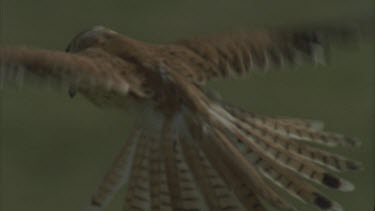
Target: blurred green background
{"points": [[54, 150]]}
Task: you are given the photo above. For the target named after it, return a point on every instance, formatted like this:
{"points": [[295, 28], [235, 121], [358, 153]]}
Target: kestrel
{"points": [[191, 151]]}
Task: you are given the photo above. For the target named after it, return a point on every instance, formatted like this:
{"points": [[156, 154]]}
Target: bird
{"points": [[189, 150]]}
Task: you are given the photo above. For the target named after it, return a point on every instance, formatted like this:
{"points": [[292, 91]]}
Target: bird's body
{"points": [[191, 151]]}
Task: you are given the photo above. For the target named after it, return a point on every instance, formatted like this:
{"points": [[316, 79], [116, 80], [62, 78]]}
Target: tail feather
{"points": [[171, 168], [285, 178], [263, 145], [245, 171], [262, 152], [117, 175], [235, 179], [302, 123], [191, 196], [216, 192], [274, 121], [330, 160], [246, 182], [290, 182], [326, 159], [160, 197], [137, 196], [297, 131], [183, 191], [298, 188]]}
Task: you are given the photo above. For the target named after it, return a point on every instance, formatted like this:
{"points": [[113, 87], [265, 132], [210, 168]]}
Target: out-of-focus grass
{"points": [[54, 149]]}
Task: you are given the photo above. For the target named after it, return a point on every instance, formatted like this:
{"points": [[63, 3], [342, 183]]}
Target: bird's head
{"points": [[109, 49], [108, 40], [96, 36]]}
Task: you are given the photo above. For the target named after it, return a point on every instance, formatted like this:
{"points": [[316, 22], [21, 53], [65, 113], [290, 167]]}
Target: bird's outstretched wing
{"points": [[241, 52], [91, 69]]}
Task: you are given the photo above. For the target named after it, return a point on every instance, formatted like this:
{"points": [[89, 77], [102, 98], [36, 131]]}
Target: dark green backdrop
{"points": [[54, 150]]}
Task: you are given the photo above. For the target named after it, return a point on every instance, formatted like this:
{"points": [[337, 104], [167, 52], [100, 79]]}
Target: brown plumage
{"points": [[192, 152]]}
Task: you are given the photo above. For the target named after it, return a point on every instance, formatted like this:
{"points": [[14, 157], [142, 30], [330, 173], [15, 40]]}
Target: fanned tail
{"points": [[281, 157], [224, 160], [254, 154]]}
